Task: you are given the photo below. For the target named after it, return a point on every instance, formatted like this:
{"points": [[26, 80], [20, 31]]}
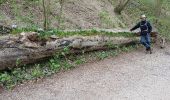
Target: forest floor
{"points": [[129, 76]]}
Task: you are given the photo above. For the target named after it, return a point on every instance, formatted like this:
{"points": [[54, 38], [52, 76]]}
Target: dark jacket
{"points": [[145, 27]]}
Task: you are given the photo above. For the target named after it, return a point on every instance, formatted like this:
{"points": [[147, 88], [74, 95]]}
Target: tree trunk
{"points": [[45, 15], [120, 7], [46, 10], [61, 13], [29, 48]]}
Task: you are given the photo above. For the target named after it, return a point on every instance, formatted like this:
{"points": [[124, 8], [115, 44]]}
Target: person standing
{"points": [[146, 29]]}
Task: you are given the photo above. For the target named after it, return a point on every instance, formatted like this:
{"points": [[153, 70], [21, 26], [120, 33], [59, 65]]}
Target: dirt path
{"points": [[133, 76]]}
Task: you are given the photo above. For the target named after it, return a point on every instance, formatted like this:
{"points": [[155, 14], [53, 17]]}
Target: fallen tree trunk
{"points": [[29, 48]]}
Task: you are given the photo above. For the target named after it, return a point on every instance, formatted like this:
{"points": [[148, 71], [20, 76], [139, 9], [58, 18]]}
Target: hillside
{"points": [[77, 14], [84, 14]]}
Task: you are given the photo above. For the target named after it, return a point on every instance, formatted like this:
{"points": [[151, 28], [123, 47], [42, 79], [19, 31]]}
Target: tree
{"points": [[61, 12], [121, 5], [46, 10]]}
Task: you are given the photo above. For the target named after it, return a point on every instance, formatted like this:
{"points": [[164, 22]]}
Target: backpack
{"points": [[144, 28]]}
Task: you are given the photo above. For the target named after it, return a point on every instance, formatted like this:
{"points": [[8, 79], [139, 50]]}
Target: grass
{"points": [[60, 33], [10, 78]]}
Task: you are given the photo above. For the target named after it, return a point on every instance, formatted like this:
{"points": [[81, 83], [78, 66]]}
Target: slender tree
{"points": [[46, 10], [45, 14], [61, 12]]}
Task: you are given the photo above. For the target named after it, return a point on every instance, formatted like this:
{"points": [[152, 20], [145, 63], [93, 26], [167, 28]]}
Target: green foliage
{"points": [[110, 44], [54, 65], [65, 51], [37, 71], [60, 33], [67, 65], [102, 55], [125, 49], [28, 29], [80, 61], [18, 75], [6, 79]]}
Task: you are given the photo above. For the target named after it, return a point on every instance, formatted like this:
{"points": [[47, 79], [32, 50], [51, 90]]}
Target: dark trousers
{"points": [[146, 40]]}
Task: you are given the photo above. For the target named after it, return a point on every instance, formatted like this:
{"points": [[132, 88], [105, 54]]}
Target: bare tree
{"points": [[61, 12], [121, 5], [45, 15], [46, 10]]}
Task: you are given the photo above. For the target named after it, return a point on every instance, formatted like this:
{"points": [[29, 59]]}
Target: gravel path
{"points": [[132, 76]]}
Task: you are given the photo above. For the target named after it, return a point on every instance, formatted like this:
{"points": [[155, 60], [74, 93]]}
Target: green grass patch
{"points": [[60, 33]]}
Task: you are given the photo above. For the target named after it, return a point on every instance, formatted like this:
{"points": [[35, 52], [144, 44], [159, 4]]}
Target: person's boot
{"points": [[150, 50], [147, 50]]}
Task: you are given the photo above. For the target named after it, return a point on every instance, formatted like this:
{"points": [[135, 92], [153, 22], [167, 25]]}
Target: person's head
{"points": [[143, 17]]}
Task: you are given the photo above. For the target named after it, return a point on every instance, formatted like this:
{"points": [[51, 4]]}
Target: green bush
{"points": [[37, 72], [54, 65]]}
